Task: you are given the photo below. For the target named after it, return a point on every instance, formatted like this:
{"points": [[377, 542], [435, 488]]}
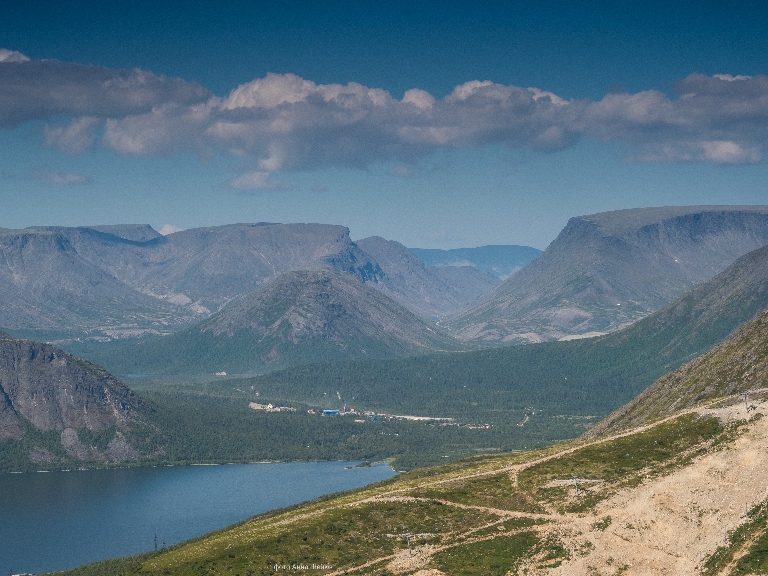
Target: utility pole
{"points": [[746, 406], [576, 482], [155, 541]]}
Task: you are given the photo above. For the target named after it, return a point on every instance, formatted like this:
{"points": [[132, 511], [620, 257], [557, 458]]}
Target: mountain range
{"points": [[584, 377], [123, 281], [499, 260], [605, 271]]}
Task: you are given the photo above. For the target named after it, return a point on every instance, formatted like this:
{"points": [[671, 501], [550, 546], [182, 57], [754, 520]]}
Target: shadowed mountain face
{"points": [[45, 390], [425, 290], [607, 270], [298, 318]]}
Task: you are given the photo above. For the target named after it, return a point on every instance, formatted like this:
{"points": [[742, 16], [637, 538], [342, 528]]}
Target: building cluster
{"points": [[270, 407]]}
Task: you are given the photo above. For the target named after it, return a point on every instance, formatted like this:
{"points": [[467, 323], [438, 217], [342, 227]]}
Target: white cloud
{"points": [[169, 229], [60, 179], [725, 152], [73, 138], [284, 122], [730, 78]]}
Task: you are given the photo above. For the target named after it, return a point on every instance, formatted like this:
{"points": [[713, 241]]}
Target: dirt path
{"points": [[664, 526], [667, 526]]}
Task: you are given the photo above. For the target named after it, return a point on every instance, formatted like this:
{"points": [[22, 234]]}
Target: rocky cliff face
{"points": [[607, 270], [43, 389]]}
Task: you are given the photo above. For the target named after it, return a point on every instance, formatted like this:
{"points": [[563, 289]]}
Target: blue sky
{"points": [[435, 124]]}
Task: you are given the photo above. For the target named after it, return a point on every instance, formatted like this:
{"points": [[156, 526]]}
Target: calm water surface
{"points": [[60, 520]]}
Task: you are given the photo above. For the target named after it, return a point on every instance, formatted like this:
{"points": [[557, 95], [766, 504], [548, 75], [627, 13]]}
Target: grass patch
{"points": [[342, 537], [618, 462], [487, 557], [495, 491]]}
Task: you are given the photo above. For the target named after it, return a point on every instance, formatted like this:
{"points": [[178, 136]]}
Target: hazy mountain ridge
{"points": [[607, 270], [425, 290], [46, 284], [211, 266], [300, 317], [128, 279], [501, 260]]}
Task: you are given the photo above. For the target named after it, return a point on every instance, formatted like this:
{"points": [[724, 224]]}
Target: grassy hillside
{"points": [[738, 365], [674, 491], [520, 512]]}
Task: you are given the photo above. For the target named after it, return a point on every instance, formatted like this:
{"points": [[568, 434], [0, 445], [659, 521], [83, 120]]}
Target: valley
{"points": [[534, 449]]}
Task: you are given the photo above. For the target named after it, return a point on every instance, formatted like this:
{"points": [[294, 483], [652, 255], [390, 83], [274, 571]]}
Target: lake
{"points": [[61, 520]]}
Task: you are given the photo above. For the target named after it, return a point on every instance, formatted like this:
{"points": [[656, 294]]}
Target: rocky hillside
{"points": [[298, 318], [607, 270], [56, 409]]}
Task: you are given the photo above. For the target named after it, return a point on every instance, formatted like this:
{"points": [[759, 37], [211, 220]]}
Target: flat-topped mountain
{"points": [[47, 284], [607, 270], [204, 268], [56, 408], [300, 317], [127, 280]]}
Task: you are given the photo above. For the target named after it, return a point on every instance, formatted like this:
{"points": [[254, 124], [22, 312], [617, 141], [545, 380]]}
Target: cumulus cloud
{"points": [[720, 118], [283, 122], [288, 123], [60, 179], [73, 138], [39, 89]]}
